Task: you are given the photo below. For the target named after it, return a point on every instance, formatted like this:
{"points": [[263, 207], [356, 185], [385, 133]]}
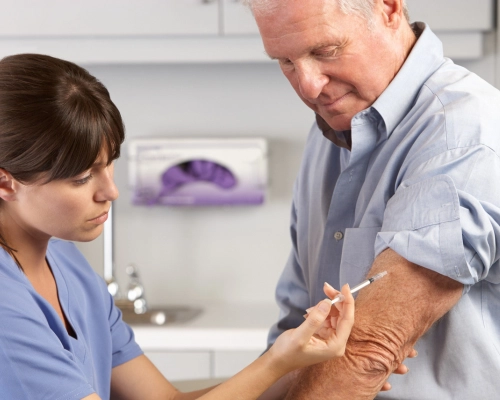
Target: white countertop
{"points": [[218, 327]]}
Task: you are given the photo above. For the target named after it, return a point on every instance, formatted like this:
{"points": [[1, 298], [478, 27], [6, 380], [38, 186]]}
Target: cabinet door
{"points": [[182, 365], [237, 19], [453, 15], [108, 17], [229, 363]]}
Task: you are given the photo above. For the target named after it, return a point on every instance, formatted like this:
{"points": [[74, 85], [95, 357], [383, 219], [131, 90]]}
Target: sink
{"points": [[160, 315]]}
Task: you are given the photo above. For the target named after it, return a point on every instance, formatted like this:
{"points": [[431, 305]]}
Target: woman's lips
{"points": [[101, 219]]}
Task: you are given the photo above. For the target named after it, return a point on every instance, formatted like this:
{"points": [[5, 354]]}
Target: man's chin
{"points": [[338, 123]]}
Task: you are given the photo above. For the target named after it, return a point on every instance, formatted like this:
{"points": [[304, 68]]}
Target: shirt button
{"points": [[338, 235]]}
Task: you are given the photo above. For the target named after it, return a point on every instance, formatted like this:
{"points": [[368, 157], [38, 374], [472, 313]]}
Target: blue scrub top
{"points": [[38, 358]]}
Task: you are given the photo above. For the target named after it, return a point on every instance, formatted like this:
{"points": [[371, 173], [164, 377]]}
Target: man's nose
{"points": [[311, 80]]}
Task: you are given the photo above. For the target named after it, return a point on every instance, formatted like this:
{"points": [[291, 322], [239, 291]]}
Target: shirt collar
{"points": [[424, 59], [396, 100], [339, 138]]}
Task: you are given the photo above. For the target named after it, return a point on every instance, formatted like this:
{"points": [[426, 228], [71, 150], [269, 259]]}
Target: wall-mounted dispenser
{"points": [[198, 171]]}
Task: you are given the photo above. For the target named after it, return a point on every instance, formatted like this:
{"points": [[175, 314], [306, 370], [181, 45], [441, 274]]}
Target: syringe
{"points": [[340, 296]]}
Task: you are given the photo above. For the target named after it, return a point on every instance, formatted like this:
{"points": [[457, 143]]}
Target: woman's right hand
{"points": [[322, 336]]}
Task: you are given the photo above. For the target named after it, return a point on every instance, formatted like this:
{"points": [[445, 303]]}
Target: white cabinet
{"points": [[182, 365], [218, 343], [229, 363], [237, 19], [195, 365], [460, 24], [187, 31], [35, 18], [454, 15], [441, 15]]}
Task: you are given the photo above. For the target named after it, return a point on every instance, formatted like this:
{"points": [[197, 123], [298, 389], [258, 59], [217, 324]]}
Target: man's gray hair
{"points": [[363, 8]]}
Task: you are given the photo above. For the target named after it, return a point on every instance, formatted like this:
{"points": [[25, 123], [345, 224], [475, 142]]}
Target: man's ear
{"points": [[393, 12], [7, 186]]}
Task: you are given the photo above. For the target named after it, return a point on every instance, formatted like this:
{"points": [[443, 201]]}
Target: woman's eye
{"points": [[84, 180]]}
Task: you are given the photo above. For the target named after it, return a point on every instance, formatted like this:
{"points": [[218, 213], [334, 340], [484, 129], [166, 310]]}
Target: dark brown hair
{"points": [[55, 118]]}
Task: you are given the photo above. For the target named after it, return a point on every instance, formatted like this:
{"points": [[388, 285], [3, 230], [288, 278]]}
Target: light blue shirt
{"points": [[39, 360], [422, 178]]}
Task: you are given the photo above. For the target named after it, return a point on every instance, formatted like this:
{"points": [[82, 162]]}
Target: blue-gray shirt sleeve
{"points": [[444, 215], [291, 292]]}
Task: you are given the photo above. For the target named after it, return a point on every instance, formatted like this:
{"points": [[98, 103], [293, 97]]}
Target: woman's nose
{"points": [[311, 80], [107, 189], [112, 192]]}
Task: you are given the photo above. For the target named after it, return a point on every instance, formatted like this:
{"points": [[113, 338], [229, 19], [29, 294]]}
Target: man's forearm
{"points": [[390, 317]]}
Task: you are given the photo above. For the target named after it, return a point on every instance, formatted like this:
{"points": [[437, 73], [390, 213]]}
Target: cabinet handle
{"points": [[208, 1]]}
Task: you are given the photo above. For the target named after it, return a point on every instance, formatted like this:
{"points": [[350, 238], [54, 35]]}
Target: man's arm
{"points": [[390, 317]]}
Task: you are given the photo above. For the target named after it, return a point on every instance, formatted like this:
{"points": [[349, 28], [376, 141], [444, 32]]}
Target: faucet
{"points": [[135, 290]]}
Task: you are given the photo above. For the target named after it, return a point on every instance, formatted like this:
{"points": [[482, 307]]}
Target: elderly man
{"points": [[401, 173]]}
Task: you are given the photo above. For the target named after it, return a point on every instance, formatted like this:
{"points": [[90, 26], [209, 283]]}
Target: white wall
{"points": [[206, 254], [211, 254]]}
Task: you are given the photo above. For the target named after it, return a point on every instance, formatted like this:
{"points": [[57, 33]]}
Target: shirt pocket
{"points": [[358, 253]]}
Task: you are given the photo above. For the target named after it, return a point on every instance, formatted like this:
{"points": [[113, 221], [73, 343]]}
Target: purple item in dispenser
{"points": [[194, 171]]}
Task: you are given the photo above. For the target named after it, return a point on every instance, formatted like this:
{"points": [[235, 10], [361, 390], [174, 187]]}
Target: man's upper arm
{"points": [[391, 316], [448, 219]]}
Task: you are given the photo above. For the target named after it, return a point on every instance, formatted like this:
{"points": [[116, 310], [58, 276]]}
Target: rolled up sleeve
{"points": [[446, 223]]}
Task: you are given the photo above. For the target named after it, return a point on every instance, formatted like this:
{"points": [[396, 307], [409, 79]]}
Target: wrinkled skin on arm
{"points": [[391, 316]]}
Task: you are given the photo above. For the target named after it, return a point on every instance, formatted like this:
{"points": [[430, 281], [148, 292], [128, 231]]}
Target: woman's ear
{"points": [[7, 186]]}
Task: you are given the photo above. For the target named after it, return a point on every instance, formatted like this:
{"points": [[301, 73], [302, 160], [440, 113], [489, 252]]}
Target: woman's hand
{"points": [[322, 336]]}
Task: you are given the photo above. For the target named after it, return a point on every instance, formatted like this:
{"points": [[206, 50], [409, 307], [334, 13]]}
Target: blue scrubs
{"points": [[38, 358]]}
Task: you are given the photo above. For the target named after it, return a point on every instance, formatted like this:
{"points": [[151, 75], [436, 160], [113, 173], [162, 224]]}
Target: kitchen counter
{"points": [[217, 327]]}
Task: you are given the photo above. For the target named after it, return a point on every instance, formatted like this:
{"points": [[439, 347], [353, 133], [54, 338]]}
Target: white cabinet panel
{"points": [[439, 14], [457, 15], [229, 363], [177, 366], [166, 31], [237, 19], [108, 18]]}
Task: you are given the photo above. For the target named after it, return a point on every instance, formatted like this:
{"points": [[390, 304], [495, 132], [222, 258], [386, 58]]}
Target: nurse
{"points": [[61, 336]]}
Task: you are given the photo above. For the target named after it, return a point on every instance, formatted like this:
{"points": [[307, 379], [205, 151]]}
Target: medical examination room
{"points": [[271, 148]]}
